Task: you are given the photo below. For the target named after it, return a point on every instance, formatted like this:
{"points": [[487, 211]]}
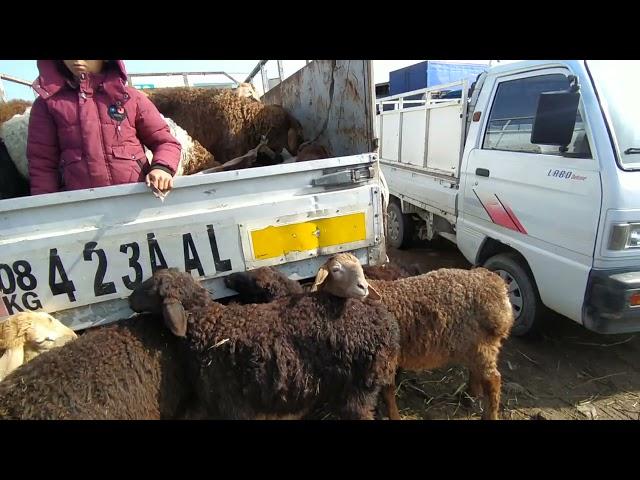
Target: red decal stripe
{"points": [[514, 219], [498, 214]]}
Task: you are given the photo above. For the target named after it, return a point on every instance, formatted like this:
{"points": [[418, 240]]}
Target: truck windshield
{"points": [[617, 83]]}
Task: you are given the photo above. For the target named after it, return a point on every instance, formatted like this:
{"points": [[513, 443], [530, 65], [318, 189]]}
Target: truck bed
{"points": [[81, 253], [426, 190], [421, 144]]}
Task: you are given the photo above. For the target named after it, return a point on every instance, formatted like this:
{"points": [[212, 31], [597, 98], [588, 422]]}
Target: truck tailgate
{"points": [[81, 253], [425, 133]]}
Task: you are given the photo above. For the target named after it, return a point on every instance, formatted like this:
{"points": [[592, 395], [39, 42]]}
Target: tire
{"points": [[399, 227], [527, 308]]}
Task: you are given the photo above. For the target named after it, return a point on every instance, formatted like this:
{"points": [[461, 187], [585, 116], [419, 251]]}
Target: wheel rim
{"points": [[393, 226], [515, 293]]}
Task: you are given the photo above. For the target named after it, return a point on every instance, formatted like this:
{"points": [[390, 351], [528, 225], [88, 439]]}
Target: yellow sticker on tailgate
{"points": [[273, 242]]}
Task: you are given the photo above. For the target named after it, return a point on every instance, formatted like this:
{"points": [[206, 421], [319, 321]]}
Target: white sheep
{"points": [[14, 134], [193, 157], [246, 90], [25, 335]]}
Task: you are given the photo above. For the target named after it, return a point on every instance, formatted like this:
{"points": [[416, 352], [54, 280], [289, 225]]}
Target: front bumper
{"points": [[606, 305]]}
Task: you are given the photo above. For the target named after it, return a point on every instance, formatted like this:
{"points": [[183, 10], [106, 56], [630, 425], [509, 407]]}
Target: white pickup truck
{"points": [[533, 172], [80, 253]]}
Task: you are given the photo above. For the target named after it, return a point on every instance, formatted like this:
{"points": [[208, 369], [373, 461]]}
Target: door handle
{"points": [[482, 172]]}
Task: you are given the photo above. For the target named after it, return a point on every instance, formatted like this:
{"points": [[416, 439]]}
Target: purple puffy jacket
{"points": [[75, 142]]}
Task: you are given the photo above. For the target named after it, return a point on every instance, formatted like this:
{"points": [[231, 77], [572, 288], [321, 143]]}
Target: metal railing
{"points": [[184, 75], [13, 79], [400, 101], [260, 67]]}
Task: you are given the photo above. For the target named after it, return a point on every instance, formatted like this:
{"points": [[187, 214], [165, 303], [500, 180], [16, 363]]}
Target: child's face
{"points": [[84, 66]]}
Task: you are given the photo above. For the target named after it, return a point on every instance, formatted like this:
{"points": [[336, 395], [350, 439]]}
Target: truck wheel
{"points": [[528, 310], [399, 227]]}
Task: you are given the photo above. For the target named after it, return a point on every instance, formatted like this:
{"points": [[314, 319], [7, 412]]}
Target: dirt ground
{"points": [[567, 373]]}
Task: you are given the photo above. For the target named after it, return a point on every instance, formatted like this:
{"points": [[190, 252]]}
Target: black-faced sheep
{"points": [[265, 284], [26, 335], [280, 359], [447, 316], [262, 285], [312, 151], [228, 125], [250, 159], [12, 183], [130, 370]]}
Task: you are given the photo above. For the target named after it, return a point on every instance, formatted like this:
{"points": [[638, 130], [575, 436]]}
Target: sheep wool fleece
{"points": [[90, 132]]}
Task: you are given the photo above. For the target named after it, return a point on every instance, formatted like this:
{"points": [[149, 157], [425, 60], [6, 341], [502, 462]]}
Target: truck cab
{"points": [[547, 191]]}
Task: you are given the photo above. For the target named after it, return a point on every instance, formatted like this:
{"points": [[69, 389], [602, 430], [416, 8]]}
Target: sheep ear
{"points": [[175, 318], [322, 275], [373, 294], [12, 359]]}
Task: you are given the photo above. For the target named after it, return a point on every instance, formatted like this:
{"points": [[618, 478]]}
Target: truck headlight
{"points": [[624, 236]]}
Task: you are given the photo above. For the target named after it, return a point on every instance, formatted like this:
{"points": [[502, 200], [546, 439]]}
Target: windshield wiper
{"points": [[632, 150]]}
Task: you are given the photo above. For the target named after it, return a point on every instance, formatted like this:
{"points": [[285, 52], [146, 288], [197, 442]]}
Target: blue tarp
{"points": [[430, 73], [439, 73]]}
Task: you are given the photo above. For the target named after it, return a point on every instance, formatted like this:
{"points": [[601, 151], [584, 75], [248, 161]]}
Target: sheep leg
{"points": [[475, 384], [265, 150], [359, 413], [238, 163], [491, 384], [359, 407], [475, 390], [389, 395]]}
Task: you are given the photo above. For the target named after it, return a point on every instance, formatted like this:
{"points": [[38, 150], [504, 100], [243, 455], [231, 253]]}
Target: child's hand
{"points": [[160, 179]]}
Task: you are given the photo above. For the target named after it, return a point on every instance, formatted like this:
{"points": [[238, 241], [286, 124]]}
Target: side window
{"points": [[512, 113]]}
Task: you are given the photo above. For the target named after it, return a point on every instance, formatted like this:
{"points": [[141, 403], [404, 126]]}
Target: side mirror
{"points": [[556, 116]]}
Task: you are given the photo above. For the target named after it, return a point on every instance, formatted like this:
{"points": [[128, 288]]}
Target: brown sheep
{"points": [[228, 125], [389, 271], [129, 370], [280, 359], [447, 316], [11, 108]]}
